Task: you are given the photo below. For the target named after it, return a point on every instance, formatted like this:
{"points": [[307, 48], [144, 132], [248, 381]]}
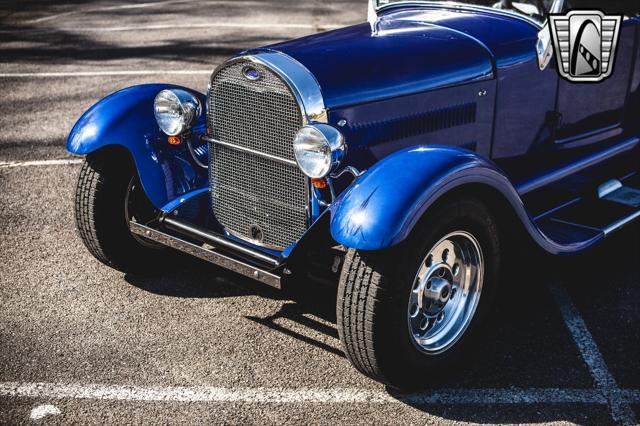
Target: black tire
{"points": [[373, 296], [100, 214]]}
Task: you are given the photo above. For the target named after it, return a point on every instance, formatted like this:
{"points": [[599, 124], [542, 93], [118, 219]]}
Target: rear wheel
{"points": [[108, 196], [406, 314]]}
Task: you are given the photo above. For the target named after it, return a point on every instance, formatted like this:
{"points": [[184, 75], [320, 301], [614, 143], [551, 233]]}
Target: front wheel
{"points": [[406, 314], [108, 196]]}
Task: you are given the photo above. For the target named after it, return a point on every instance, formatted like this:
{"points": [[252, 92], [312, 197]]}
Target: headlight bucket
{"points": [[319, 149], [176, 110]]}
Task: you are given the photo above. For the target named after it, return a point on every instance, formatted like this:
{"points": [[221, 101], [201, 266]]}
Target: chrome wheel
{"points": [[446, 292]]}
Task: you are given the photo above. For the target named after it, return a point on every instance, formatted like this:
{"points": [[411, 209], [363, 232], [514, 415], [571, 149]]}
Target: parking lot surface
{"points": [[81, 343]]}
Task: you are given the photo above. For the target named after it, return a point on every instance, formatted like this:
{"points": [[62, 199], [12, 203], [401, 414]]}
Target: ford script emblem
{"points": [[251, 73], [256, 233]]}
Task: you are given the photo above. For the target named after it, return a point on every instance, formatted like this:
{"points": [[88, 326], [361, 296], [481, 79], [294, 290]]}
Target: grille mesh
{"points": [[248, 189]]}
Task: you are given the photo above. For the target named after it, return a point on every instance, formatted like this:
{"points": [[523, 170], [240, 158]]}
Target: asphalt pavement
{"points": [[81, 343]]}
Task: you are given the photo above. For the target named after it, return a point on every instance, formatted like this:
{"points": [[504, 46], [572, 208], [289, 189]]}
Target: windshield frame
{"points": [[375, 8]]}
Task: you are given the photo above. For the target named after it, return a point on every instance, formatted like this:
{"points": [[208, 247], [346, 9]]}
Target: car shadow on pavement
{"points": [[294, 312], [191, 278], [580, 414], [525, 345]]}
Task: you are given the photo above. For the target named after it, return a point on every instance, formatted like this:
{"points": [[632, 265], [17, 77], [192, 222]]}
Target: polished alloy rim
{"points": [[446, 292]]}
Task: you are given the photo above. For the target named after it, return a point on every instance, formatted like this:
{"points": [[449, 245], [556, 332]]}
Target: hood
{"points": [[406, 51]]}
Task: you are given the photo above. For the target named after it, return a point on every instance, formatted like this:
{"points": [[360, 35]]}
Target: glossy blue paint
{"points": [[453, 116], [125, 118], [601, 105], [432, 98], [411, 50], [185, 198], [382, 207], [416, 50], [355, 65], [548, 177]]}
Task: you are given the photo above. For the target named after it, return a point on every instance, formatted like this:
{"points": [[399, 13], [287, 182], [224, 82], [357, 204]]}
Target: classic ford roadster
{"points": [[394, 159]]}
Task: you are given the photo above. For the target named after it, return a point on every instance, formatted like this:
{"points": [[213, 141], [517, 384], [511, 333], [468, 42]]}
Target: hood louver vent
{"points": [[418, 124]]}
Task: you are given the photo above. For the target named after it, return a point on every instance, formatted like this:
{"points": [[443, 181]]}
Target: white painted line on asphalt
{"points": [[42, 411], [39, 163], [103, 73], [182, 27], [303, 395], [620, 409]]}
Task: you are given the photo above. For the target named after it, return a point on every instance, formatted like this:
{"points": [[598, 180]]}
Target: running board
{"points": [[585, 220], [208, 254]]}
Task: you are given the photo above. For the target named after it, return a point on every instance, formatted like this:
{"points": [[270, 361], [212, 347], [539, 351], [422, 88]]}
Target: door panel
{"points": [[589, 108]]}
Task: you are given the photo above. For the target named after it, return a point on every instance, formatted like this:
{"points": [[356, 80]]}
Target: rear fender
{"points": [[381, 208], [126, 118]]}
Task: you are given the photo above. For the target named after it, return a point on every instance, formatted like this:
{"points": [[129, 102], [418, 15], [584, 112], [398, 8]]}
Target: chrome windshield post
{"points": [[557, 6], [372, 15], [544, 46]]}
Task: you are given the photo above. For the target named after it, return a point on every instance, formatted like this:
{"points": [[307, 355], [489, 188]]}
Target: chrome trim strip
{"points": [[208, 255], [458, 6], [620, 223], [557, 6], [302, 82], [217, 240], [569, 169], [250, 151]]}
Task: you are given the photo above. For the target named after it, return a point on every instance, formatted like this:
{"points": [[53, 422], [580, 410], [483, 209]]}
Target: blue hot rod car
{"points": [[394, 158]]}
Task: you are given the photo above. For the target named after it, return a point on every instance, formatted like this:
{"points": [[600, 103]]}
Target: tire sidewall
{"points": [[467, 215], [101, 193]]}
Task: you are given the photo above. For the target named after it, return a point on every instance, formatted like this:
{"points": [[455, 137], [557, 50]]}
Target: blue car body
{"points": [[431, 99]]}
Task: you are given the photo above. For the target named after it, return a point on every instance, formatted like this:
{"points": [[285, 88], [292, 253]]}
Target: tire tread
{"points": [[371, 294]]}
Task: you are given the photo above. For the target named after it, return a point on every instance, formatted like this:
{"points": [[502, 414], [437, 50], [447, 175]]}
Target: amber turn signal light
{"points": [[319, 183], [174, 140]]}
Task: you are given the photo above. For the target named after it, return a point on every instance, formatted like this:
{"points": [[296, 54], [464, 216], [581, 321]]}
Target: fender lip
{"points": [[126, 119], [383, 206], [88, 130]]}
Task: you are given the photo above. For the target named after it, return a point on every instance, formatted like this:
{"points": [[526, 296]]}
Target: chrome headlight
{"points": [[319, 149], [176, 110]]}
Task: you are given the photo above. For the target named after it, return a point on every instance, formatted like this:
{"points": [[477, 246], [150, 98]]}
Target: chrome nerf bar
{"points": [[210, 254]]}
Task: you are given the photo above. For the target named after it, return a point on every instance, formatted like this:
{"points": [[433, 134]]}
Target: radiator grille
{"points": [[249, 190]]}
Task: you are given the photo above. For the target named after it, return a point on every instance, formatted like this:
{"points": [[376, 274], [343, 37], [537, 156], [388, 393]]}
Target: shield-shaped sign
{"points": [[585, 42]]}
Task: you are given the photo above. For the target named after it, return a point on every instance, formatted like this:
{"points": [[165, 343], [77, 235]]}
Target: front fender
{"points": [[381, 208], [126, 118]]}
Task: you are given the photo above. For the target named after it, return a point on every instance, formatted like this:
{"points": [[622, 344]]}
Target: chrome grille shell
{"points": [[255, 183]]}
